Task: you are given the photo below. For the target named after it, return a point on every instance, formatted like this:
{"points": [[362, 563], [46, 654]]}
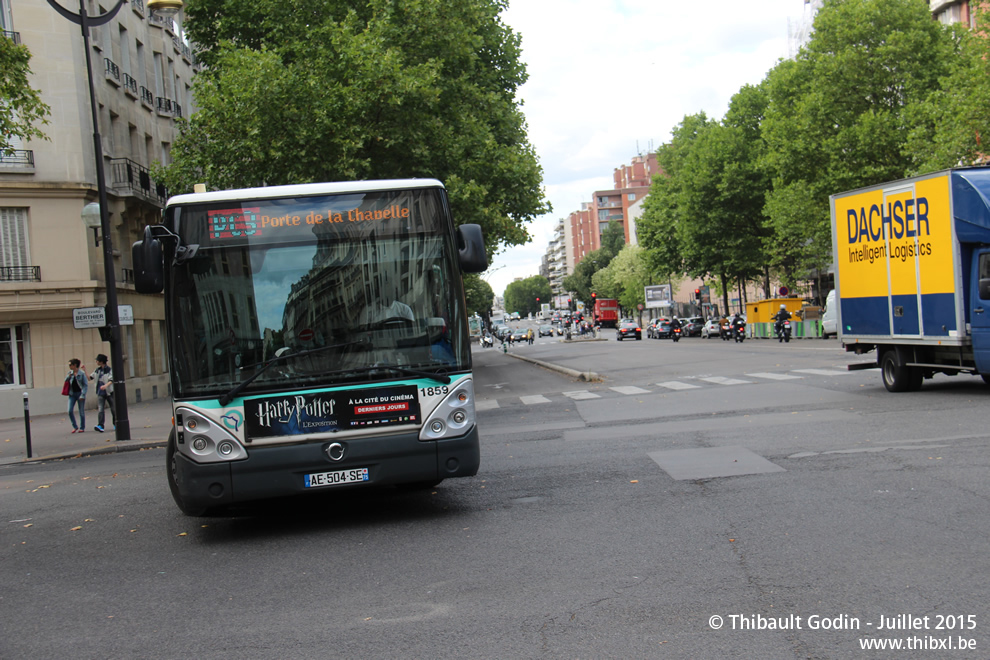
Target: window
{"points": [[13, 357], [14, 251], [631, 197]]}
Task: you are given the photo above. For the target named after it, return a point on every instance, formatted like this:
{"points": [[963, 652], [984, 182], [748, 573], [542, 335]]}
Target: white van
{"points": [[829, 328]]}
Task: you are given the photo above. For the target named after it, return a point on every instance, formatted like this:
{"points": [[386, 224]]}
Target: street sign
{"points": [[89, 317], [96, 317]]}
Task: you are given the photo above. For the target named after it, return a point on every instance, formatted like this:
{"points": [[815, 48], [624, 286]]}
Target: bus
{"points": [[317, 339]]}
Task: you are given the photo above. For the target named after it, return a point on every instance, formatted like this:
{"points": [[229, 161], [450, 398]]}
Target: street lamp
{"points": [[85, 22]]}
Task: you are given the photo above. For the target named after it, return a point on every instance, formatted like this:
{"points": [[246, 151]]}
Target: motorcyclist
{"points": [[781, 316], [737, 323], [675, 323]]}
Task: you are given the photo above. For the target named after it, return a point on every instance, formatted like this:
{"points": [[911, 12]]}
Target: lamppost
{"points": [[85, 22]]}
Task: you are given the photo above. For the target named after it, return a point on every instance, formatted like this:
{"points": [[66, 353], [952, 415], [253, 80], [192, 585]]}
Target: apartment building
{"points": [[50, 263], [631, 183]]}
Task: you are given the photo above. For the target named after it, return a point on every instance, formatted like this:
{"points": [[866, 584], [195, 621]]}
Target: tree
{"points": [[951, 124], [478, 296], [837, 117], [626, 277], [298, 91], [580, 281], [521, 296], [21, 107]]}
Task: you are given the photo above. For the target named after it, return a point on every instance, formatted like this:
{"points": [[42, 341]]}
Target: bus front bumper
{"points": [[281, 470]]}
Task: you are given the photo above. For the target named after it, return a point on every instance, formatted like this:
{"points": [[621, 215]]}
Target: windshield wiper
{"points": [[229, 396]]}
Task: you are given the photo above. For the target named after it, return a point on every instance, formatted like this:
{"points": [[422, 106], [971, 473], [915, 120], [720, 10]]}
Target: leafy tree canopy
{"points": [[526, 296], [298, 91], [21, 107], [478, 296]]}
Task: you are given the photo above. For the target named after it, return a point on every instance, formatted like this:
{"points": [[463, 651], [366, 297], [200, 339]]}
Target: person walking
{"points": [[78, 384], [104, 391]]}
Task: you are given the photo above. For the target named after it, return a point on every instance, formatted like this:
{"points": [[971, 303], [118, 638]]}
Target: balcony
{"points": [[147, 98], [129, 179], [163, 105], [13, 36], [20, 273], [127, 275], [130, 86], [19, 159], [111, 71]]}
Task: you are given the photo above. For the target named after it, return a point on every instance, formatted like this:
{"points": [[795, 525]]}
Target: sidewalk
{"points": [[52, 437]]}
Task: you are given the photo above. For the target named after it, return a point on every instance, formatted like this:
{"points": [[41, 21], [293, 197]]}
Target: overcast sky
{"points": [[610, 78]]}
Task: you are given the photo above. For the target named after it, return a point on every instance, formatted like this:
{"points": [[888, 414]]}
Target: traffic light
{"points": [[537, 300], [594, 296], [697, 294]]}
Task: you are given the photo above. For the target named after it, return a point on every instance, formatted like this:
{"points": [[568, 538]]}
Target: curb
{"points": [[115, 448], [587, 376]]}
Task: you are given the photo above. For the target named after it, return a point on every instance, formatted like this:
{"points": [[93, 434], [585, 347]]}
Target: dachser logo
{"points": [[903, 219]]}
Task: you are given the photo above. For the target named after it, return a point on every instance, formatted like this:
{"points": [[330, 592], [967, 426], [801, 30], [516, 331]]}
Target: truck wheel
{"points": [[170, 470], [895, 378]]}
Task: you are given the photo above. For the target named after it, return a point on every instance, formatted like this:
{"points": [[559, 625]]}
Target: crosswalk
{"points": [[695, 383]]}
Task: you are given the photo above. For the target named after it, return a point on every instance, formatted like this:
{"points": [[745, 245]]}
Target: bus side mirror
{"points": [[149, 269], [471, 249]]}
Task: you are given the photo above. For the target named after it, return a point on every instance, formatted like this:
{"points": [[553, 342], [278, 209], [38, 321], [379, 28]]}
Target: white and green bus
{"points": [[317, 339]]}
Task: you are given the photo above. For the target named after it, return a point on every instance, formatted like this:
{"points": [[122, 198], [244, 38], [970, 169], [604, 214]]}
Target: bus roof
{"points": [[304, 189]]}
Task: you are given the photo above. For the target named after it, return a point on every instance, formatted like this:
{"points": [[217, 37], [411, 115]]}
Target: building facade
{"points": [[631, 184], [50, 263]]}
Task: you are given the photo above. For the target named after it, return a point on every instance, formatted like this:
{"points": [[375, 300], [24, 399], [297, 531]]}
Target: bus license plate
{"points": [[334, 478]]}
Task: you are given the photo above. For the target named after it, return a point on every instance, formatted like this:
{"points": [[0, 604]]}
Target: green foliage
{"points": [[478, 295], [521, 296], [949, 127], [747, 197], [626, 277], [580, 281], [298, 91], [21, 107], [839, 113]]}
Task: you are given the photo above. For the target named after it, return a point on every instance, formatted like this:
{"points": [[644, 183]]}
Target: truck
{"points": [[606, 312], [912, 275]]}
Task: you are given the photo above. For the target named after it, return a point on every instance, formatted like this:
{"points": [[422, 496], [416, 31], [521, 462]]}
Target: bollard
{"points": [[27, 424]]}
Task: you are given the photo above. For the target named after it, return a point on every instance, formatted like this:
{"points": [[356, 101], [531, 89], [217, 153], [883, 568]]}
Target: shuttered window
{"points": [[14, 237]]}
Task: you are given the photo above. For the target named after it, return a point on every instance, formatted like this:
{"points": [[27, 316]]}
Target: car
{"points": [[829, 326], [546, 331], [710, 329], [519, 335], [514, 316], [662, 330], [628, 328], [691, 326], [651, 327]]}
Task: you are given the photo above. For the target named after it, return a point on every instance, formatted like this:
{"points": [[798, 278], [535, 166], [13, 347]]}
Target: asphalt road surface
{"points": [[705, 500]]}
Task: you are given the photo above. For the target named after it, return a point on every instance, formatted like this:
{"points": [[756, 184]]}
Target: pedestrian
{"points": [[78, 384], [529, 336], [104, 391]]}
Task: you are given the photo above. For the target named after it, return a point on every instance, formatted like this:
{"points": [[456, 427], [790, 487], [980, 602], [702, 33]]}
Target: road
{"points": [[760, 483]]}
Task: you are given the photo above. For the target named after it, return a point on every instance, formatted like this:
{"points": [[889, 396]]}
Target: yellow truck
{"points": [[912, 275]]}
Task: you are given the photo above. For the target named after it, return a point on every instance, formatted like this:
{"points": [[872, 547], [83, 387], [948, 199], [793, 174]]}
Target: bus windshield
{"points": [[314, 291]]}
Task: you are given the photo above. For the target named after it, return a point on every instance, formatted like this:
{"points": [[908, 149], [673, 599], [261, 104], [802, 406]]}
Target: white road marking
{"points": [[532, 400], [486, 405], [677, 385], [722, 380], [581, 394], [629, 390], [774, 376], [822, 372]]}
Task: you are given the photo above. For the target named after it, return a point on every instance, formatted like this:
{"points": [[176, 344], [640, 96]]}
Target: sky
{"points": [[609, 79]]}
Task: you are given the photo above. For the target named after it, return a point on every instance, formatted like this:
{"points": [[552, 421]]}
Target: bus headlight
{"points": [[455, 414], [208, 441]]}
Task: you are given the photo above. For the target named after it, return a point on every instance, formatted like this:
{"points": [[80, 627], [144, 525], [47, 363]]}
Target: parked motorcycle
{"points": [[784, 331], [739, 330]]}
